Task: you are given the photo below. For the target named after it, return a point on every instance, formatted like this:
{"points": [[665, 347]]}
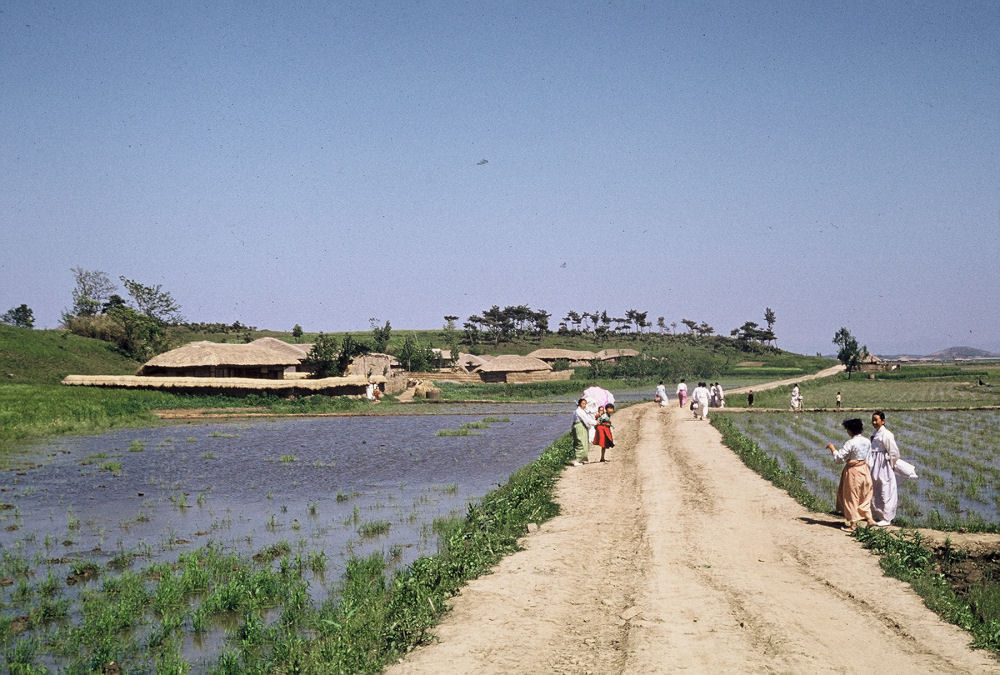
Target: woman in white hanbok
{"points": [[881, 461]]}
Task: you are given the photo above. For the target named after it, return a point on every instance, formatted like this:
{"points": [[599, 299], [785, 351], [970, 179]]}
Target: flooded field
{"points": [[324, 488], [955, 454]]}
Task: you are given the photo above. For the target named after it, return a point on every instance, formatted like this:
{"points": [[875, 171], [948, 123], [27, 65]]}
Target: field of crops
{"points": [[949, 388], [955, 454]]}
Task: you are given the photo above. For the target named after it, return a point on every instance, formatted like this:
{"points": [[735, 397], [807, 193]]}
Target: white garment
{"points": [[858, 447], [682, 388], [722, 396], [884, 453], [661, 391], [589, 421], [700, 396]]}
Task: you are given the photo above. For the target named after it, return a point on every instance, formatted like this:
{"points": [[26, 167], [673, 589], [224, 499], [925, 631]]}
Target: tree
{"points": [[769, 319], [414, 357], [157, 304], [297, 332], [141, 336], [92, 290], [850, 354], [380, 336], [322, 358], [20, 316]]}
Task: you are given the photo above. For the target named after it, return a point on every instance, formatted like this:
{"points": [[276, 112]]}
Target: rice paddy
{"points": [[161, 554], [955, 454]]}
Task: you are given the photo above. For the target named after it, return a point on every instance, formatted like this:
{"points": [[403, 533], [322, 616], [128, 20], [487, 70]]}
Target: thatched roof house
{"points": [[615, 354], [513, 368], [575, 357], [259, 360]]}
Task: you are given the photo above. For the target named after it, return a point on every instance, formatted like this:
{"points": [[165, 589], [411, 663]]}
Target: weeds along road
{"points": [[674, 556]]}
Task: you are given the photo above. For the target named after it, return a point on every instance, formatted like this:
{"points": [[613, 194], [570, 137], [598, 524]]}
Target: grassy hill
{"points": [[46, 356]]}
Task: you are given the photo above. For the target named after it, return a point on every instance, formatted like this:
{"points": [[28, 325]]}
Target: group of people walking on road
{"points": [[868, 489], [702, 397]]}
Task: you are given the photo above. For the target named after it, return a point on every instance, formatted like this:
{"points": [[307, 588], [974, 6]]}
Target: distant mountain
{"points": [[962, 353]]}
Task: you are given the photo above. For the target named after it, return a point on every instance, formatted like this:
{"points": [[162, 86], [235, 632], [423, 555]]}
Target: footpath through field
{"points": [[675, 556]]}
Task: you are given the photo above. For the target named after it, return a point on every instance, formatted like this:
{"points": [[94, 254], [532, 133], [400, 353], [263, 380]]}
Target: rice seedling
{"points": [[208, 455], [221, 434], [454, 432], [72, 522], [313, 508], [137, 446], [374, 528], [287, 459], [115, 468]]}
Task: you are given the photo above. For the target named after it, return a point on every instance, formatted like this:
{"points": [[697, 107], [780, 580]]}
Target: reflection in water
{"points": [[313, 483]]}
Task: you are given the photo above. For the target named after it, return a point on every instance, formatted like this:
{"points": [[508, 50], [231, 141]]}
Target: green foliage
{"points": [[297, 332], [413, 356], [91, 290], [322, 358], [153, 302], [20, 316], [380, 336], [850, 354], [141, 335], [47, 356], [903, 555]]}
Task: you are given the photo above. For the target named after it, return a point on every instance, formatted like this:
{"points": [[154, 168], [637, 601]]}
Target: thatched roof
{"points": [[509, 363], [870, 358], [299, 350], [211, 383], [568, 354], [204, 353], [606, 354]]}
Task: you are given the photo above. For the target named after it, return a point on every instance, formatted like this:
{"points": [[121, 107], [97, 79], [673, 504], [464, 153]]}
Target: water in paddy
{"points": [[312, 482]]}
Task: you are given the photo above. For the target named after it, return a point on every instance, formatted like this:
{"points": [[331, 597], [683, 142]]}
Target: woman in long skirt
{"points": [[881, 461], [854, 494]]}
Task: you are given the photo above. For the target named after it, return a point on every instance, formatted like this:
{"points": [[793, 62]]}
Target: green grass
{"points": [[923, 387], [904, 556]]}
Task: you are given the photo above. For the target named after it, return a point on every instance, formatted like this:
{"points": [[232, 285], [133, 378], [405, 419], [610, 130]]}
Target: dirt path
{"points": [[674, 556]]}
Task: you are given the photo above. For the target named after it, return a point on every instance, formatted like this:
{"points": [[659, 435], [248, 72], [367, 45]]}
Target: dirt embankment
{"points": [[674, 556]]}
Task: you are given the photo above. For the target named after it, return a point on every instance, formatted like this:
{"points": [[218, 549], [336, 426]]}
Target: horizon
{"points": [[322, 164]]}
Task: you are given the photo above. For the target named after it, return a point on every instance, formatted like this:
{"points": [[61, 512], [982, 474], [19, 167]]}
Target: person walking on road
{"points": [[700, 397], [661, 393], [682, 392]]}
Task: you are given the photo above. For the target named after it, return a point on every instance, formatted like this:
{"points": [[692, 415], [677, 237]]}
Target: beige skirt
{"points": [[854, 494]]}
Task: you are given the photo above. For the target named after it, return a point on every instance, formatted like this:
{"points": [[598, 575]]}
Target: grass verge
{"points": [[904, 556]]}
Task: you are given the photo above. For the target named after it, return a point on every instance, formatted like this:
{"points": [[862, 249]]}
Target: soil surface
{"points": [[673, 556]]}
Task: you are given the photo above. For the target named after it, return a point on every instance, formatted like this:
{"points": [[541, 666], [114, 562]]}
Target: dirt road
{"points": [[674, 556]]}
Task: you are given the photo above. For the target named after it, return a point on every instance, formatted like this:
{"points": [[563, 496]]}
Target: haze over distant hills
{"points": [[949, 354]]}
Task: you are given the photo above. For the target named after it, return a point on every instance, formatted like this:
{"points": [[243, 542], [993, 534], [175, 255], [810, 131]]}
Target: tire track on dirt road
{"points": [[676, 557]]}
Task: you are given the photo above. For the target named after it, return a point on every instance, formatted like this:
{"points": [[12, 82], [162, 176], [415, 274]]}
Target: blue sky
{"points": [[320, 163]]}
